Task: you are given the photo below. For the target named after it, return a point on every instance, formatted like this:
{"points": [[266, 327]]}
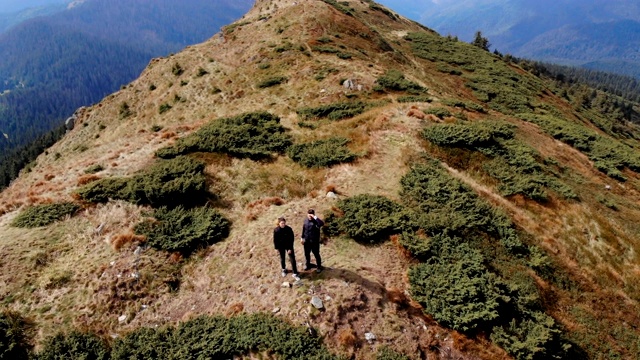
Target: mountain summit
{"points": [[471, 208]]}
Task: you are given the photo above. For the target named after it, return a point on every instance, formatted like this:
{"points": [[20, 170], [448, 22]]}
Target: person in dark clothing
{"points": [[311, 239], [283, 240]]}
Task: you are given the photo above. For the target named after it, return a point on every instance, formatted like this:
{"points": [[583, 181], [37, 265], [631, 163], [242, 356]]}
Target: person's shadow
{"points": [[387, 296]]}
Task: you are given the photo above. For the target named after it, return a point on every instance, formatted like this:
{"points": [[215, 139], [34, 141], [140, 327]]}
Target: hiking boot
{"points": [[284, 272], [296, 277], [319, 269]]}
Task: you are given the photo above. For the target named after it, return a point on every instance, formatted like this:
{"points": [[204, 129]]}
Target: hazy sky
{"points": [[8, 6]]}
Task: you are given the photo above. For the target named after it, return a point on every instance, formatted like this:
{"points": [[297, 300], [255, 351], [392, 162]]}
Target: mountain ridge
{"points": [[569, 216]]}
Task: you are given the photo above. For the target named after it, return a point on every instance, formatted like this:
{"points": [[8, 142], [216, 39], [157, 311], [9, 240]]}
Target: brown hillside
{"points": [[82, 272]]}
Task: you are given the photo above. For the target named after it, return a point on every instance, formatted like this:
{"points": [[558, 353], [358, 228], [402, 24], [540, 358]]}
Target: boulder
{"points": [[317, 302]]}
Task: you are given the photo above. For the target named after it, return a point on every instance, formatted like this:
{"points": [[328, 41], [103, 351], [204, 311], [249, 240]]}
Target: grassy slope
{"points": [[67, 276]]}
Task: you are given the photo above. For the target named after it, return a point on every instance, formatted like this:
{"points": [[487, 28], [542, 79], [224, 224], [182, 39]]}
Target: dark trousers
{"points": [[312, 247], [292, 258]]}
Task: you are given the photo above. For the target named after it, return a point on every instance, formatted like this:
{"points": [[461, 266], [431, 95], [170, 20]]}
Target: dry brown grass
{"points": [[86, 179], [121, 240], [347, 338]]}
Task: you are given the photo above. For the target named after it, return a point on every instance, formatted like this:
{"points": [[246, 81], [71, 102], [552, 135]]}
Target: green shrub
{"points": [[125, 111], [221, 338], [184, 230], [414, 98], [535, 337], [15, 336], [394, 80], [341, 7], [464, 104], [384, 10], [251, 135], [166, 183], [335, 111], [369, 218], [322, 153], [164, 108], [608, 155], [43, 215], [201, 72], [272, 81], [440, 112], [93, 169], [75, 345], [331, 226], [456, 288], [177, 70], [471, 136], [387, 353]]}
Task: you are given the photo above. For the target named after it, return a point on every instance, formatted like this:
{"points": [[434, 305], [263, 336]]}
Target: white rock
{"points": [[317, 302], [331, 195], [286, 284], [275, 310], [122, 318], [370, 337]]}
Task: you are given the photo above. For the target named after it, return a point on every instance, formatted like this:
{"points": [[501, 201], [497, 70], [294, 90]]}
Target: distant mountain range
{"points": [[597, 34], [16, 12], [54, 64]]}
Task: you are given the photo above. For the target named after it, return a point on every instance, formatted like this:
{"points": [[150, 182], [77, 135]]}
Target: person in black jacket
{"points": [[283, 240], [311, 239]]}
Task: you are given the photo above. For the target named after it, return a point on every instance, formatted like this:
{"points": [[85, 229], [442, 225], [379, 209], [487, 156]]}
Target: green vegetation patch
{"points": [[94, 169], [272, 81], [519, 168], [75, 345], [183, 230], [490, 78], [455, 287], [342, 7], [221, 338], [369, 218], [252, 135], [414, 98], [475, 271], [394, 80], [166, 183], [336, 111], [43, 215], [608, 155], [15, 336], [322, 153], [205, 337]]}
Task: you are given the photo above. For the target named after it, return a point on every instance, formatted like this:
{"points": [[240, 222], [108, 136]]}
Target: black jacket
{"points": [[283, 238], [311, 230]]}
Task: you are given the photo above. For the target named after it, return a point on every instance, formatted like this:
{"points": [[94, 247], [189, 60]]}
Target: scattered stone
{"points": [[607, 187], [298, 283], [275, 310], [286, 284], [70, 122], [317, 302], [327, 298], [98, 230], [370, 337], [122, 318], [331, 195], [144, 307], [138, 251]]}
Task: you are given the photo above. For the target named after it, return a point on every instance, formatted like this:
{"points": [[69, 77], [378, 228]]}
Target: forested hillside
{"points": [[53, 65]]}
